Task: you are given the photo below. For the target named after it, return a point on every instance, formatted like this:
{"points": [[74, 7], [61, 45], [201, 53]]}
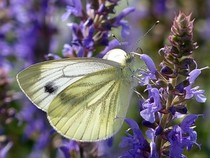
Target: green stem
{"points": [[163, 124]]}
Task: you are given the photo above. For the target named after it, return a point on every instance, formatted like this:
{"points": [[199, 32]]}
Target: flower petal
{"points": [[149, 62]]}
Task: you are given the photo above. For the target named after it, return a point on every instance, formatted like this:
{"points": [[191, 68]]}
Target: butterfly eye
{"points": [[129, 58], [50, 88]]}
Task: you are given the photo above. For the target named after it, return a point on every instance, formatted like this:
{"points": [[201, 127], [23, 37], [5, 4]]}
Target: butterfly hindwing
{"points": [[92, 108]]}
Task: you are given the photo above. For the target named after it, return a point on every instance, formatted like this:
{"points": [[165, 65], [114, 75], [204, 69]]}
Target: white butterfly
{"points": [[85, 99]]}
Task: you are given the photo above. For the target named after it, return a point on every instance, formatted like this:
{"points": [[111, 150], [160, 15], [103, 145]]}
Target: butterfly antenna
{"points": [[153, 26], [120, 42], [145, 34]]}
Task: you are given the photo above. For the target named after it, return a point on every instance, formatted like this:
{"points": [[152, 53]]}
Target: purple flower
{"points": [[182, 136], [123, 14], [190, 92], [176, 148], [88, 41], [199, 94], [76, 47], [125, 31], [51, 56], [193, 75], [151, 135], [104, 148], [21, 41], [160, 7], [5, 150], [147, 76], [36, 123], [136, 142], [67, 50], [149, 63], [112, 44], [68, 148], [119, 22], [74, 9], [94, 28], [151, 105]]}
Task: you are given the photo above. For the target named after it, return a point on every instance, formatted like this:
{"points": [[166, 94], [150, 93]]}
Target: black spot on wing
{"points": [[50, 88]]}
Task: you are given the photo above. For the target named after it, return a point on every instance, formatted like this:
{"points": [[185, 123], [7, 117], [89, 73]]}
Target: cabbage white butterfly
{"points": [[85, 99]]}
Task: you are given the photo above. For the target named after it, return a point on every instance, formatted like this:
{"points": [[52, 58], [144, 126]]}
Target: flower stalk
{"points": [[169, 90]]}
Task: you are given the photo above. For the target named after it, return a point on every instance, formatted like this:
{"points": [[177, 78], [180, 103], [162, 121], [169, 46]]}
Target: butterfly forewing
{"points": [[91, 108], [42, 82]]}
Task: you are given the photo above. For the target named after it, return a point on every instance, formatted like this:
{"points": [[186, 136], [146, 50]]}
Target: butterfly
{"points": [[86, 99]]}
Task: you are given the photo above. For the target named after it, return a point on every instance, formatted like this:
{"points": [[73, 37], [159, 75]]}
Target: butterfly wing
{"points": [[42, 82], [92, 108]]}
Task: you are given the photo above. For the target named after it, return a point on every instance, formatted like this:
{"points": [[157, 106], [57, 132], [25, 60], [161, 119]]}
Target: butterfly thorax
{"points": [[131, 68], [129, 64]]}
